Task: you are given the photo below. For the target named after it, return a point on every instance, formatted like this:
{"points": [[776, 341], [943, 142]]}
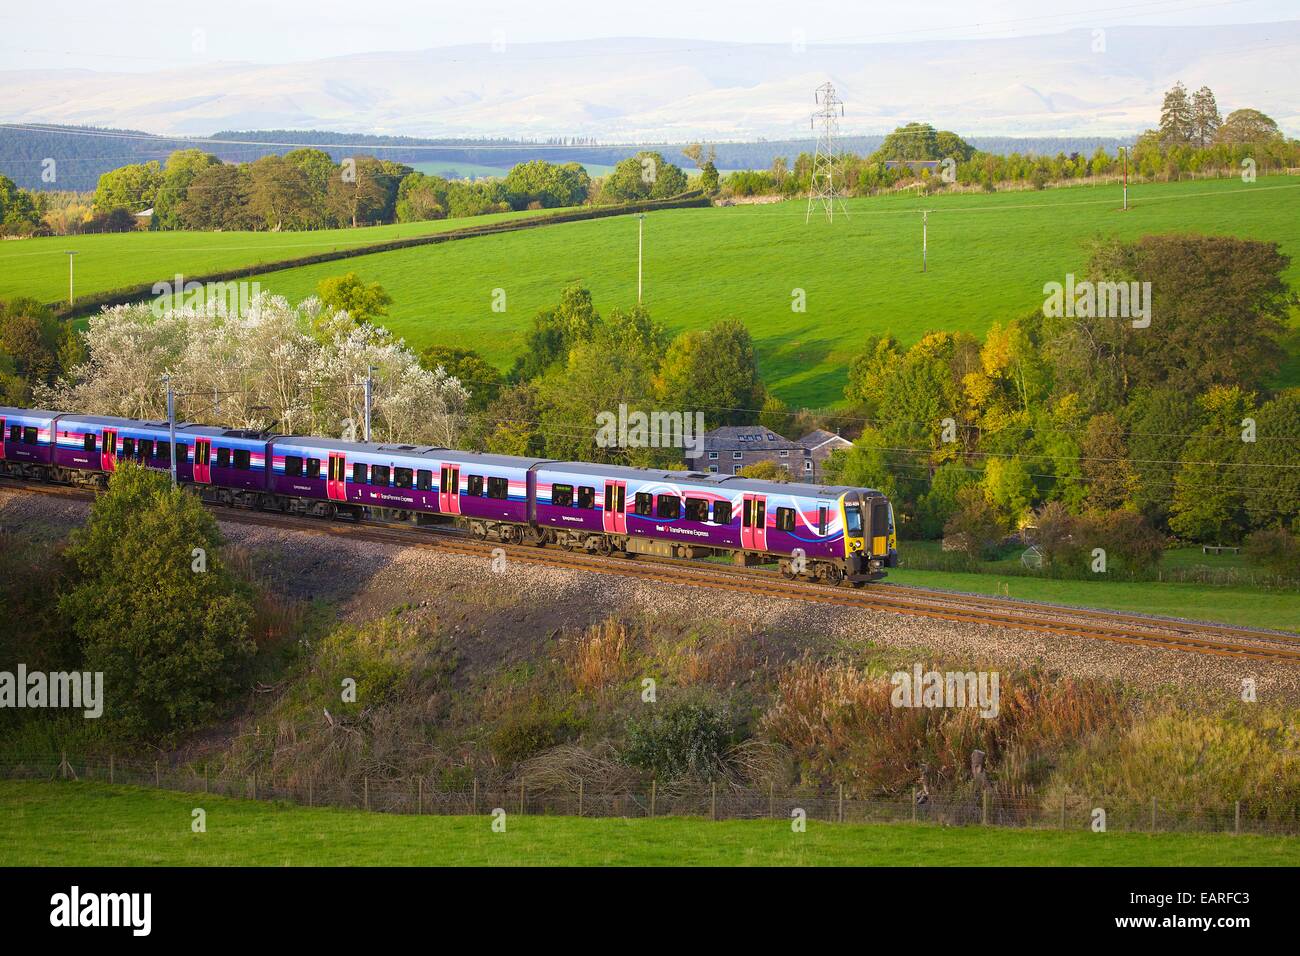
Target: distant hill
{"points": [[636, 89]]}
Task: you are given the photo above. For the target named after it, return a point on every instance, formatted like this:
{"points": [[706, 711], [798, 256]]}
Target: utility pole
{"points": [[925, 213], [171, 423], [640, 245], [822, 187], [71, 253], [370, 372], [1124, 150]]}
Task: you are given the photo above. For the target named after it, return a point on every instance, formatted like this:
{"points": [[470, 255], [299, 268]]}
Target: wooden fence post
{"points": [[914, 808], [984, 809], [713, 802], [310, 795], [110, 768], [579, 796], [365, 790], [1153, 814], [1062, 809], [474, 805], [771, 799], [1236, 819], [521, 798], [419, 799], [653, 784], [205, 778], [841, 810], [156, 778]]}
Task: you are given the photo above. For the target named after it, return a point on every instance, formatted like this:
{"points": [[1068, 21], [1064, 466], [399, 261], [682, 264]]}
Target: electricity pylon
{"points": [[822, 187]]}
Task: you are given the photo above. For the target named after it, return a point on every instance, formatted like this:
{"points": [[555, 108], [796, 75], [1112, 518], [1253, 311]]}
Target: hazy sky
{"points": [[154, 34]]}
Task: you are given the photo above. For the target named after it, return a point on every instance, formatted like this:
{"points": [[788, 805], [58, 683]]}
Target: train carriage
{"points": [[90, 446], [26, 441]]}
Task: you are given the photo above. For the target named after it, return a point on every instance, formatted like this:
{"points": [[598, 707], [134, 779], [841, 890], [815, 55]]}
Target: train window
{"points": [[29, 435], [379, 475], [784, 519], [853, 521], [15, 432], [182, 452], [128, 447], [88, 443], [498, 488], [292, 466], [697, 509], [722, 512], [562, 496], [474, 485], [424, 479], [313, 467], [879, 517], [586, 497], [821, 521], [243, 459], [645, 504], [668, 506], [146, 447], [359, 473], [223, 457], [403, 477]]}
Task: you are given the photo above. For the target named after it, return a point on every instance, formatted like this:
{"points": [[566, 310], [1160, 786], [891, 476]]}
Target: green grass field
{"points": [[1240, 606], [39, 267], [989, 257], [85, 824]]}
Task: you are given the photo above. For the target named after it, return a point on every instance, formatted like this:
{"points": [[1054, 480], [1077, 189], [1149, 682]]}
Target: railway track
{"points": [[1135, 630]]}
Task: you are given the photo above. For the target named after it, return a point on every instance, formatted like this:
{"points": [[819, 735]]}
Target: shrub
{"points": [[689, 738], [1275, 549], [976, 528], [535, 729]]}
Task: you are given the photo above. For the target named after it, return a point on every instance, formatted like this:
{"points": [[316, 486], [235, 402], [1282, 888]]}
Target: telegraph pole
{"points": [[71, 253], [822, 187], [1124, 150], [640, 244], [925, 213], [369, 393], [171, 423]]}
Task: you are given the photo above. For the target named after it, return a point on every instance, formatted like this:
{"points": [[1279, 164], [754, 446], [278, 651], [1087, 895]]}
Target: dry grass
{"points": [[600, 657]]}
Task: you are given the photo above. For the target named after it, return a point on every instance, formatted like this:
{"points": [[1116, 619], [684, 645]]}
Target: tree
{"points": [[1208, 503], [171, 636], [714, 371], [1105, 463], [421, 198], [1269, 473], [776, 416], [482, 379], [363, 192], [133, 187], [318, 168], [1205, 117], [183, 166], [1176, 117], [546, 184], [1248, 127], [554, 331], [30, 342], [647, 175], [709, 178], [279, 193], [350, 293], [976, 527], [18, 212], [766, 470], [217, 199]]}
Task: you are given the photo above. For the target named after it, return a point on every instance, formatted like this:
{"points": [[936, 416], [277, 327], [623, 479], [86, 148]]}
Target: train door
{"points": [[449, 490], [108, 454], [753, 523], [336, 484], [3, 436], [203, 461], [615, 513]]}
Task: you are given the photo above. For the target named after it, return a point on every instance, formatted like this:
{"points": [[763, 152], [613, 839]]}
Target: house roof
{"points": [[747, 438], [820, 436]]}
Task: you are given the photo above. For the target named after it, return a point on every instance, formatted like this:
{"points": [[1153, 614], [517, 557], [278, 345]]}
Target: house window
{"points": [[784, 453], [807, 465], [645, 504], [88, 443], [359, 473], [424, 480], [738, 455], [562, 496], [403, 477], [784, 519], [713, 469], [713, 456], [586, 497], [697, 509], [722, 512], [735, 469], [243, 459], [474, 486], [498, 488], [668, 506], [292, 466]]}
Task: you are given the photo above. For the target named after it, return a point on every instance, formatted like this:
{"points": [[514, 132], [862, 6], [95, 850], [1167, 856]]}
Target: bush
{"points": [[687, 739], [1276, 550], [1125, 535], [171, 640], [526, 734], [976, 528]]}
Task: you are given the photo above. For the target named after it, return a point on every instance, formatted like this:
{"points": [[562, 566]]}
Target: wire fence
{"points": [[418, 795]]}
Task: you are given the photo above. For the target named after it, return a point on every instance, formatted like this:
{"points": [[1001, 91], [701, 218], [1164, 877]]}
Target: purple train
{"points": [[833, 534]]}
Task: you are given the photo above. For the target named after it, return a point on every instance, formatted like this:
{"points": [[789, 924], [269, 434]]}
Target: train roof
{"points": [[9, 411], [730, 482], [431, 452]]}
